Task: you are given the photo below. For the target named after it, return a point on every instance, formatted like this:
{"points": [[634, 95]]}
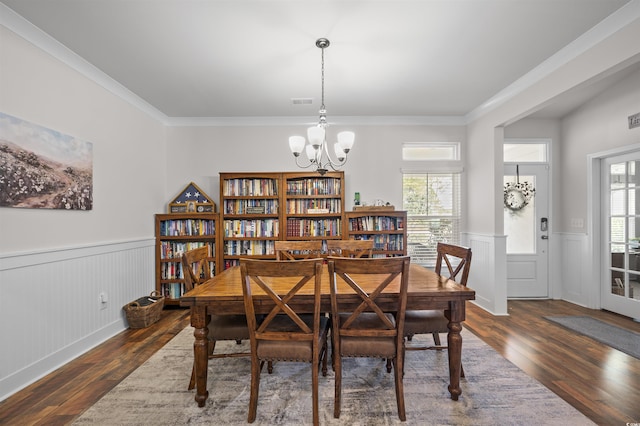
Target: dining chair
{"points": [[458, 262], [350, 248], [195, 266], [283, 334], [362, 328], [296, 250]]}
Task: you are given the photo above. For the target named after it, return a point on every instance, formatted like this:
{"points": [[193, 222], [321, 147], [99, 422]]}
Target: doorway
{"points": [[526, 218], [620, 225]]}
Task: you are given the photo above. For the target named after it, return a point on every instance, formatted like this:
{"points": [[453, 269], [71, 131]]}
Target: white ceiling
{"points": [[246, 59]]}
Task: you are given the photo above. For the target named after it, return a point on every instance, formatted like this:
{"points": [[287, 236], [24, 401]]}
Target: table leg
{"points": [[200, 320], [454, 345]]}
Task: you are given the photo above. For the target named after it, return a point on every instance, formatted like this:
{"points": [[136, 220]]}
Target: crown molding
{"points": [[34, 35], [313, 120]]}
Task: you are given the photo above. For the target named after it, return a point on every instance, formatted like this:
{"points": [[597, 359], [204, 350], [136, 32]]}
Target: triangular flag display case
{"points": [[192, 200]]}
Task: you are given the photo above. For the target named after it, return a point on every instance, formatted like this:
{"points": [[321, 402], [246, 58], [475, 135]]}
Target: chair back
{"points": [[280, 283], [350, 248], [195, 267], [296, 250], [368, 278], [457, 259]]}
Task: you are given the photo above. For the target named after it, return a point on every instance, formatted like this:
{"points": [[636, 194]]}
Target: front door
{"points": [[526, 224]]}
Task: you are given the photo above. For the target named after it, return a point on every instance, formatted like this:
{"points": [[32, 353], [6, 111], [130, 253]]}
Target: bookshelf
{"points": [[387, 228], [250, 209], [175, 234], [313, 205]]}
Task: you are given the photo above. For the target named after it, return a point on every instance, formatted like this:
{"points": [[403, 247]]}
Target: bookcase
{"points": [[175, 234], [250, 208], [387, 228], [259, 208], [313, 205]]}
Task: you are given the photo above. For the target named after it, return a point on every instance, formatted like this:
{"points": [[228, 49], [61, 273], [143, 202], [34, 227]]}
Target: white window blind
{"points": [[432, 201]]}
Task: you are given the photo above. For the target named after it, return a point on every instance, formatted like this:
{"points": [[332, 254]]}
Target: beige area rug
{"points": [[495, 392]]}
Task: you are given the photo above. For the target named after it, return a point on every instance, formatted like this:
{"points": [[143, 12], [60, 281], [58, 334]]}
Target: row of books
{"points": [[171, 249], [174, 271], [251, 247], [252, 228], [376, 223], [307, 205], [187, 227], [173, 290], [250, 187], [314, 227], [386, 242], [314, 186], [261, 206]]}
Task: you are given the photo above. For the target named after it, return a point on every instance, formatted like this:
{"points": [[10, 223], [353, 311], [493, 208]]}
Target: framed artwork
{"points": [[41, 168]]}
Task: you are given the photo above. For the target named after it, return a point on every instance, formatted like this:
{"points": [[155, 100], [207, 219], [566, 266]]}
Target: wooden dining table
{"points": [[222, 295]]}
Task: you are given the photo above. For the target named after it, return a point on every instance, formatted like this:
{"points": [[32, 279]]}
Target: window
{"points": [[432, 201], [433, 151], [534, 151]]}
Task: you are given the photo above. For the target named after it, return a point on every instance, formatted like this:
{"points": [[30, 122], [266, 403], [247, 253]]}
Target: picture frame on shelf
{"points": [[192, 199]]}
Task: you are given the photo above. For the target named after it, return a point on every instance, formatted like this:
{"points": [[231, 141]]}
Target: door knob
{"points": [[545, 237]]}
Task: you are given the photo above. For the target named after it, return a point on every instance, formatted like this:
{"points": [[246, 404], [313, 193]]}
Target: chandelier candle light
{"points": [[316, 151]]}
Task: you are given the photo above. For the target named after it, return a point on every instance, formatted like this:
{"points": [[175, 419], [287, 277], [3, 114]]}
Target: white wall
{"points": [[54, 264], [373, 169]]}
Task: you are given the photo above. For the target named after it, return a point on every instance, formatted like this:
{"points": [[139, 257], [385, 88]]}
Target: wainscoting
{"points": [[50, 307]]}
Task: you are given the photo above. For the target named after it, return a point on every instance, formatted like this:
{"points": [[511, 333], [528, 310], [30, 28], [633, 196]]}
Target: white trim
{"points": [[312, 120], [26, 259]]}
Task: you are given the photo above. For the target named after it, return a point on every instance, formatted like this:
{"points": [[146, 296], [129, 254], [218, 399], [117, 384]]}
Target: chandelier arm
{"points": [[302, 166]]}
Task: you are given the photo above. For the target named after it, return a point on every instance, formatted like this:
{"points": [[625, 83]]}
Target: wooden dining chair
{"points": [[195, 266], [296, 250], [457, 260], [363, 329], [350, 248], [284, 334]]}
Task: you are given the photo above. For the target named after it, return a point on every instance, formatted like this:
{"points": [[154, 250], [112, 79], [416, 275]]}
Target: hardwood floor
{"points": [[601, 382]]}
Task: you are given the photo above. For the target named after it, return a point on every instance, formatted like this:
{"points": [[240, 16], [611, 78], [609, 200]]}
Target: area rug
{"points": [[494, 392], [626, 341]]}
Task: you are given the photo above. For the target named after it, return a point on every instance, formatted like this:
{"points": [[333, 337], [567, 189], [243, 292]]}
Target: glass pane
{"points": [[634, 262], [618, 175], [520, 225], [617, 202], [525, 153], [617, 283], [617, 230], [634, 286], [429, 152], [633, 207], [634, 179]]}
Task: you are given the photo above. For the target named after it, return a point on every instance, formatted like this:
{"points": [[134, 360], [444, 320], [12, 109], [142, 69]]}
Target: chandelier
{"points": [[317, 151]]}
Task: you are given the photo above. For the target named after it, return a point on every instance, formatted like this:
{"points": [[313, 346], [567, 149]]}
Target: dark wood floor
{"points": [[601, 382]]}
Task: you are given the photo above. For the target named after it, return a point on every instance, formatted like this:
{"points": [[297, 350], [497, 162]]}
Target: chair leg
{"points": [[256, 366], [324, 359], [461, 370], [192, 382], [388, 365], [337, 362], [270, 367], [436, 339], [315, 392], [398, 372]]}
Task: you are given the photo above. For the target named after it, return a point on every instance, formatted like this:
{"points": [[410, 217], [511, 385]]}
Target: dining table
{"points": [[222, 295]]}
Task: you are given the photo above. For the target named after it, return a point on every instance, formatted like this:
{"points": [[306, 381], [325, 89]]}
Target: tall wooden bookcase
{"points": [[386, 227], [313, 205], [259, 208], [251, 215], [175, 234]]}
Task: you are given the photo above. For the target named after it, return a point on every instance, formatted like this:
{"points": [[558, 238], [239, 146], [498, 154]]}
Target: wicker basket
{"points": [[144, 311]]}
